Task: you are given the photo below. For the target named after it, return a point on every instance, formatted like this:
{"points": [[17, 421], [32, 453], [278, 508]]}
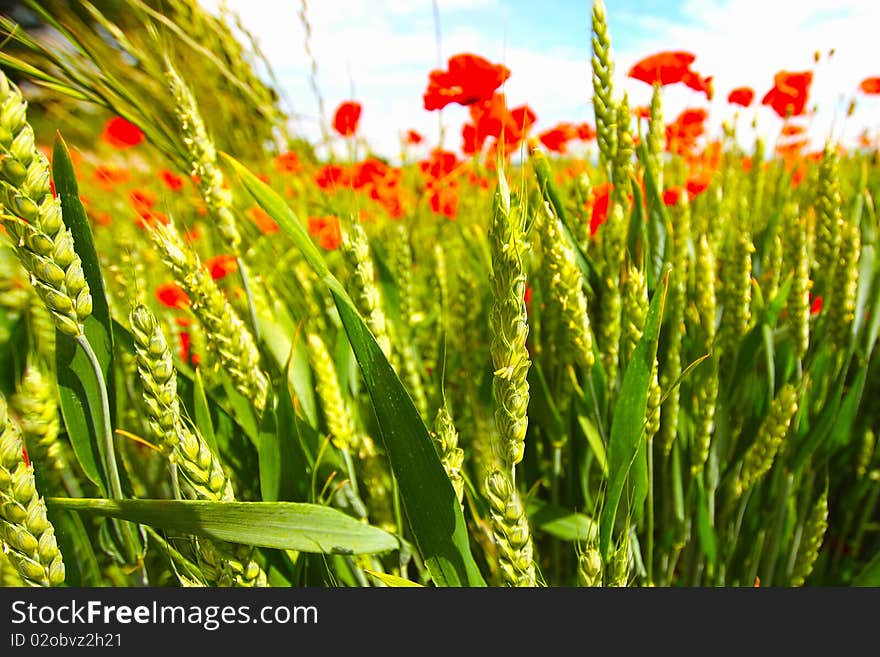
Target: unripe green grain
{"points": [[590, 568], [37, 408], [230, 336], [42, 242], [844, 285], [622, 167], [26, 534], [451, 455], [603, 73], [511, 529], [356, 248], [829, 217], [566, 296], [761, 453], [736, 289], [508, 321], [223, 564], [203, 159], [336, 415], [798, 303], [811, 540]]}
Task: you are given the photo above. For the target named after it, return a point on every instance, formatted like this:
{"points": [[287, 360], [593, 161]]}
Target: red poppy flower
{"points": [[557, 137], [682, 134], [412, 138], [788, 97], [444, 199], [663, 68], [171, 295], [741, 96], [109, 176], [439, 165], [171, 180], [642, 112], [816, 305], [368, 172], [699, 83], [599, 197], [870, 86], [585, 132], [327, 230], [120, 134], [522, 118], [672, 196], [468, 80], [221, 266], [330, 176], [287, 163], [185, 344], [792, 130], [142, 200], [671, 67], [345, 120], [697, 184], [264, 222], [150, 218]]}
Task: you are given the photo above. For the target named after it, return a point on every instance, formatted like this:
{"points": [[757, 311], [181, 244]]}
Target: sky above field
{"points": [[379, 52]]}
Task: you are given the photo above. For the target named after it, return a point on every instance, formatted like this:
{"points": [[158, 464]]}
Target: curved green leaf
{"points": [[628, 423], [79, 388], [280, 525]]}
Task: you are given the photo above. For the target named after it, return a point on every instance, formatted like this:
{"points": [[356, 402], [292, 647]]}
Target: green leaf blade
{"points": [[280, 525]]}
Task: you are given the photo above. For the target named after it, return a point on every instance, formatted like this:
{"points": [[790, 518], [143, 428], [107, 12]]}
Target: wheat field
{"points": [[622, 351]]}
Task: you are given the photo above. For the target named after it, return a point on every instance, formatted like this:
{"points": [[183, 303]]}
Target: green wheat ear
{"points": [[32, 215], [26, 534]]}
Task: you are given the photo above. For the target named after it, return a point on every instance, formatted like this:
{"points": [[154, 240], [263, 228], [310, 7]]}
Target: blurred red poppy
{"points": [[670, 67], [327, 230], [792, 130], [185, 341], [444, 199], [642, 112], [331, 176], [870, 86], [221, 266], [287, 163], [171, 180], [697, 184], [142, 200], [468, 80], [585, 132], [672, 196], [788, 97], [345, 120], [119, 133], [439, 165], [412, 138], [682, 134], [598, 202], [741, 96], [171, 295], [557, 137], [108, 176], [663, 68], [264, 222]]}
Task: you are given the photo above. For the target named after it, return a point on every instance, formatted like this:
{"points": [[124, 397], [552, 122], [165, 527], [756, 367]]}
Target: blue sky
{"points": [[380, 52]]}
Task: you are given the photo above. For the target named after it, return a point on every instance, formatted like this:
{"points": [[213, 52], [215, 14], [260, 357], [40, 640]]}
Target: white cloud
{"points": [[380, 52]]}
